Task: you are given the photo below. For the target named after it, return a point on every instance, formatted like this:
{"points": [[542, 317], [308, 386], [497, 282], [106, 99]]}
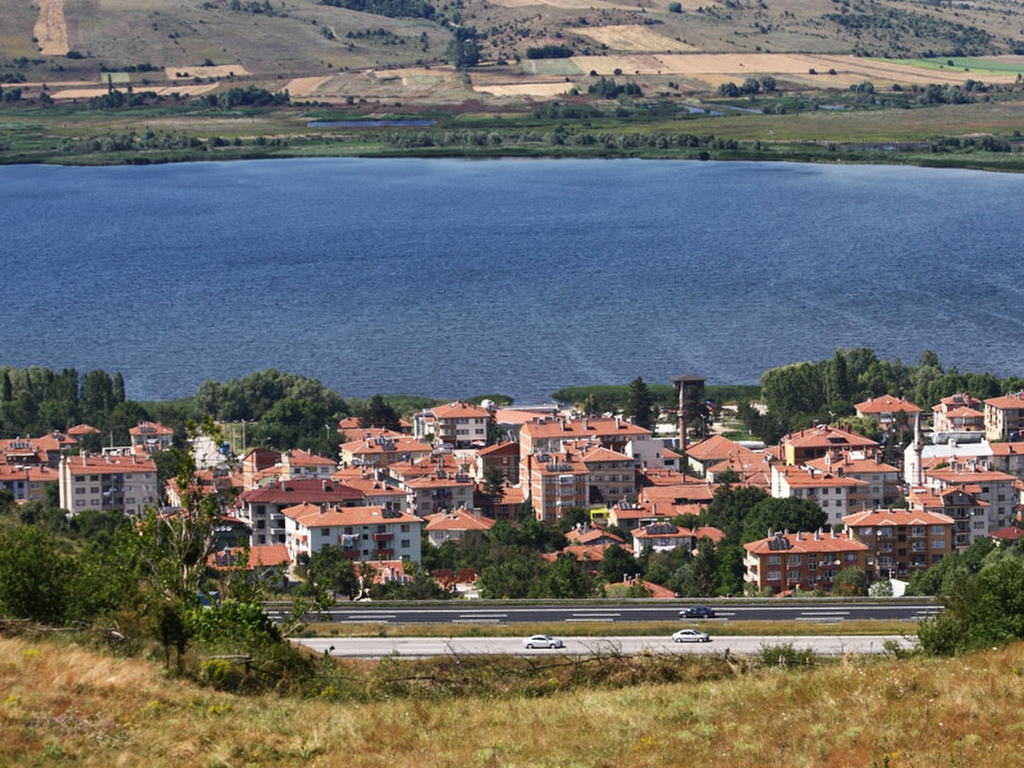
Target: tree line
{"points": [[800, 394]]}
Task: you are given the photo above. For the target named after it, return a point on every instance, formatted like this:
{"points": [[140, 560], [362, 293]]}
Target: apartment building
{"points": [[124, 482], [901, 541]]}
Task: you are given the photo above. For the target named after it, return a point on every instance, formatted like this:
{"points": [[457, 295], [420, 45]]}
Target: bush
{"points": [[784, 655]]}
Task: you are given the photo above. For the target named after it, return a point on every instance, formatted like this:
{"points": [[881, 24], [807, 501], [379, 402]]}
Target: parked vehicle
{"points": [[543, 641], [691, 636], [697, 612]]}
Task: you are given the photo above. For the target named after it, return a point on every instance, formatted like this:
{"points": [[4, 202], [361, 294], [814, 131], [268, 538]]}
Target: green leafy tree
{"points": [[982, 610], [34, 575], [640, 404], [567, 578], [330, 571], [850, 582], [706, 568], [173, 548], [793, 514], [380, 414], [617, 563]]}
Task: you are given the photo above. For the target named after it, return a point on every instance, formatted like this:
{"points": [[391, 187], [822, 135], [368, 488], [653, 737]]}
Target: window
{"points": [[938, 529], [795, 560], [325, 531], [405, 528], [774, 575], [348, 529], [79, 489], [774, 560], [938, 544], [404, 543], [850, 557], [917, 530]]}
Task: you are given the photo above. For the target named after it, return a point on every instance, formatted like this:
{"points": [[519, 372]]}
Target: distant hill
{"points": [[401, 48]]}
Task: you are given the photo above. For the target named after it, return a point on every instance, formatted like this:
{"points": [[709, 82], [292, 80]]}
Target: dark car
{"points": [[697, 612]]}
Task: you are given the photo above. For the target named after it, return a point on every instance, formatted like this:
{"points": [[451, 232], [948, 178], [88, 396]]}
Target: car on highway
{"points": [[543, 641], [697, 612], [690, 636]]}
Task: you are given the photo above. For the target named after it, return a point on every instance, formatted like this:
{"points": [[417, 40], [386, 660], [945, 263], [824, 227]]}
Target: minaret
{"points": [[913, 472]]}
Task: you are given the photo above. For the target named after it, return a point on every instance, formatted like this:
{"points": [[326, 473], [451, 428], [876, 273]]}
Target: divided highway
{"points": [[480, 612], [422, 647]]}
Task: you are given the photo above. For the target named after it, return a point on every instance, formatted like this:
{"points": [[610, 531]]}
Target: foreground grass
{"points": [[72, 705]]}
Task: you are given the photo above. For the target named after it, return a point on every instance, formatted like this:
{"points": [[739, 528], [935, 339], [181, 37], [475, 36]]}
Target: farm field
{"points": [[873, 69]]}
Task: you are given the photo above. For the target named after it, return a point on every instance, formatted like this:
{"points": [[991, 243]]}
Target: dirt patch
{"points": [[524, 89], [627, 65], [217, 71], [564, 4], [415, 75], [303, 87], [631, 37], [51, 29], [90, 92]]}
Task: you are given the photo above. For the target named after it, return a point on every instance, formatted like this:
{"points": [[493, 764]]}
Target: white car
{"points": [[691, 636], [543, 641]]}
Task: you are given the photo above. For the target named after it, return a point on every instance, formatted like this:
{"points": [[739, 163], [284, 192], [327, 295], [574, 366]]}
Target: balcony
{"points": [[383, 553], [383, 536]]}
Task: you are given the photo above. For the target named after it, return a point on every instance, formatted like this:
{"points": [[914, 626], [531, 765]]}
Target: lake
{"points": [[455, 278]]}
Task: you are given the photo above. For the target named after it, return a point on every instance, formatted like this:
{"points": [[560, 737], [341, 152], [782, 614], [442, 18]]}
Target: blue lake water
{"points": [[455, 278]]}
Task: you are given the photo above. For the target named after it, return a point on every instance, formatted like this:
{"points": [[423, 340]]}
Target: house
{"points": [[996, 490], [882, 480], [149, 436], [647, 451], [439, 491], [808, 444], [611, 476], [504, 508], [28, 482], [550, 435], [901, 541], [591, 535], [963, 506], [958, 413], [886, 409], [42, 451], [1008, 458], [753, 468], [836, 493], [375, 487], [125, 482], [364, 533], [456, 425], [268, 563], [263, 507], [714, 450], [1004, 417], [663, 537], [502, 456], [297, 464], [807, 561], [452, 526], [381, 448]]}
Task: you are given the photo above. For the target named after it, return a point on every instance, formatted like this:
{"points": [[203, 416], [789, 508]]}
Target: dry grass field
{"points": [[66, 704]]}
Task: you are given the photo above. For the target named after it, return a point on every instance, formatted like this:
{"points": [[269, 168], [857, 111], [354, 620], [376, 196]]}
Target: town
{"points": [[391, 499]]}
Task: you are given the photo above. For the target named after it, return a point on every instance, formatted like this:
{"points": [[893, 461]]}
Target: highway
{"points": [[499, 612], [422, 647]]}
